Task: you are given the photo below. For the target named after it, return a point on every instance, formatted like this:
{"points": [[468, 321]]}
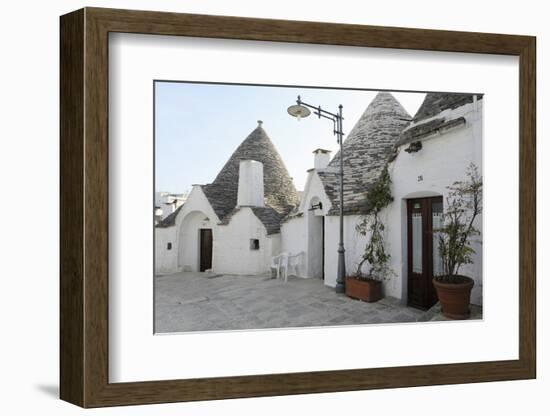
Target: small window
{"points": [[169, 246], [254, 244]]}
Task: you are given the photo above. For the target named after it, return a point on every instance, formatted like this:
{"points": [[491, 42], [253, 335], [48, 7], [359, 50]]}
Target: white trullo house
{"points": [[251, 211], [233, 224]]}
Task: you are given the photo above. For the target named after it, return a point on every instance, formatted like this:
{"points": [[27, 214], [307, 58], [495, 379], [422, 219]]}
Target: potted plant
{"points": [[368, 286], [464, 204]]}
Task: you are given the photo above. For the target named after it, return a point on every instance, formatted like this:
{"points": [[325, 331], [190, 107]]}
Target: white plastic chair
{"points": [[275, 261], [279, 262], [285, 261], [293, 261]]}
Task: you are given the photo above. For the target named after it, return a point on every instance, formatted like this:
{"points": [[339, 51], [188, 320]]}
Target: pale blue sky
{"points": [[198, 126]]}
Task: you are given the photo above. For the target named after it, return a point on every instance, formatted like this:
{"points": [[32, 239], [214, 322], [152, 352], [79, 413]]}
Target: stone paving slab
{"points": [[192, 301], [435, 314]]}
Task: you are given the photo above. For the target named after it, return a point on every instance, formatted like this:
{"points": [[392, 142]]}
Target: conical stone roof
{"points": [[279, 192], [367, 149], [436, 102]]}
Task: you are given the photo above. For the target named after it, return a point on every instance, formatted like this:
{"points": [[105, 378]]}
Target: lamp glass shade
{"points": [[298, 111]]}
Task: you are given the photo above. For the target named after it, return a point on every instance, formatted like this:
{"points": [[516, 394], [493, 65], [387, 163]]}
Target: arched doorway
{"points": [[195, 242], [316, 239]]}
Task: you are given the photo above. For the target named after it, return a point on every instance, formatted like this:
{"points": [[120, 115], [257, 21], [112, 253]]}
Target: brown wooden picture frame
{"points": [[84, 207]]}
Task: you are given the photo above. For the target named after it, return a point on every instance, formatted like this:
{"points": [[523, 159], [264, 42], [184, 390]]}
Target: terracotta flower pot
{"points": [[366, 290], [455, 297]]}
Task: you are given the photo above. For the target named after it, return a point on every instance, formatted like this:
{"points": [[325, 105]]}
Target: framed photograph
{"points": [[255, 207]]}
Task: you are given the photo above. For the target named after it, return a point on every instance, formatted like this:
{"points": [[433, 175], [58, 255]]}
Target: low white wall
{"points": [[165, 259]]}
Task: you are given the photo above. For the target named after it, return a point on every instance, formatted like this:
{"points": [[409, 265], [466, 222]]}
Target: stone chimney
{"points": [[251, 184], [321, 158]]}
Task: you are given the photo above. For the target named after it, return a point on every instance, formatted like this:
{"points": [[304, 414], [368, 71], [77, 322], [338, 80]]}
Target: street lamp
{"points": [[301, 110]]}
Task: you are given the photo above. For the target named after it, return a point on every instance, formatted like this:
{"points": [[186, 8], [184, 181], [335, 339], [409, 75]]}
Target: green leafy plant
{"points": [[378, 197], [464, 205]]}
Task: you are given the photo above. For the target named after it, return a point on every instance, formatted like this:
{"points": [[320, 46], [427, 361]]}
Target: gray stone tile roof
{"points": [[430, 118], [367, 149], [295, 213], [425, 129], [169, 220], [270, 218], [279, 192], [436, 102]]}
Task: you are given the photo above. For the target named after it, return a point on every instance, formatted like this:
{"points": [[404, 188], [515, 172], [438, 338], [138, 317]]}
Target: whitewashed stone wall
{"points": [[184, 235], [294, 240], [301, 234], [354, 244], [232, 251], [166, 260], [441, 161]]}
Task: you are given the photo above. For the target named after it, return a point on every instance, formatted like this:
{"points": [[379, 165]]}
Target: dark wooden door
{"points": [[423, 216], [205, 249]]}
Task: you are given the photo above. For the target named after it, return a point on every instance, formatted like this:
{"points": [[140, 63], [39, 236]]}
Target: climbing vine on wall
{"points": [[378, 197]]}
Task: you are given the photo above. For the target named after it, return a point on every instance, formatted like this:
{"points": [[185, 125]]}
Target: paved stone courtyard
{"points": [[192, 301]]}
